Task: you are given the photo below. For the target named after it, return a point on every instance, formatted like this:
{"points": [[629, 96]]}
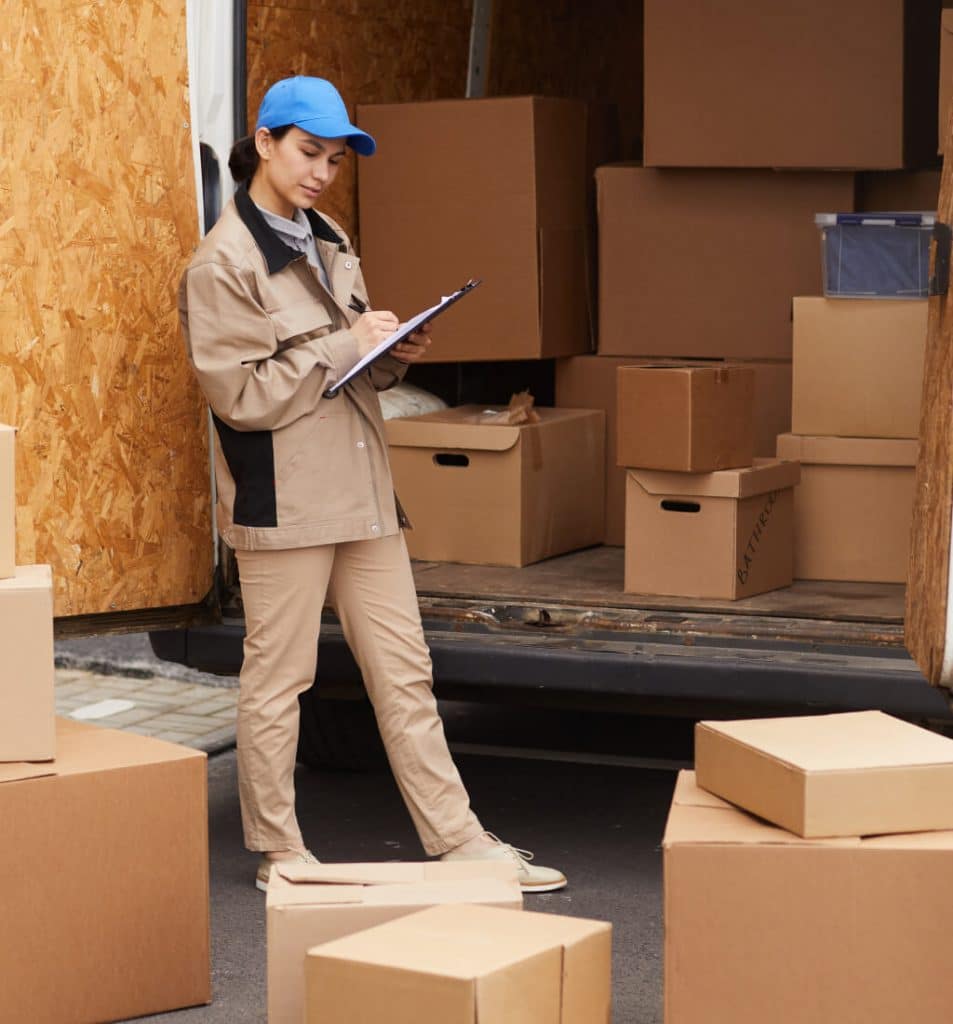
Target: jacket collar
{"points": [[277, 254]]}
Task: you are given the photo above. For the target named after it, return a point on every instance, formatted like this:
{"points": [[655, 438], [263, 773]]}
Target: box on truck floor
{"points": [[858, 367], [104, 879], [798, 85], [493, 189], [853, 508], [493, 494], [466, 965], [761, 925], [705, 263]]}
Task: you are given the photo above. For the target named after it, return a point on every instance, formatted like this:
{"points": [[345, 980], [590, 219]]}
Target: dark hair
{"points": [[243, 159]]}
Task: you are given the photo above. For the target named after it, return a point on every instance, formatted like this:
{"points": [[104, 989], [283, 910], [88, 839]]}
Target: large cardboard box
{"points": [[858, 367], [589, 382], [854, 507], [312, 904], [7, 502], [466, 965], [705, 263], [104, 879], [761, 925], [491, 494], [797, 85], [27, 702], [690, 419], [440, 184], [946, 79], [857, 774], [723, 535], [890, 191]]}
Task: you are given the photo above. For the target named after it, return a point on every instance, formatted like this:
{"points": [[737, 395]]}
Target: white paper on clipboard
{"points": [[398, 336]]}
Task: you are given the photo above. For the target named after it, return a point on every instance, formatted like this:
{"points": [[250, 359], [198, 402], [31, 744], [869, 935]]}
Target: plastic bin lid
{"points": [[903, 219]]}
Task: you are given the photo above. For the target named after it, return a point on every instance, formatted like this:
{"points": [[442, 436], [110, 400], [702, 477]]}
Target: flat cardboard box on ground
{"points": [[7, 502], [27, 700], [490, 494], [857, 774], [589, 382], [690, 419], [312, 904], [105, 890], [440, 183], [761, 925], [705, 263], [466, 965], [806, 85], [858, 367], [853, 508], [723, 535]]}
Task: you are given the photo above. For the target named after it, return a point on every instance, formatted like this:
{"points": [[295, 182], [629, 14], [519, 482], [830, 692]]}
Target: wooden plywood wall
{"points": [[589, 51], [98, 219], [374, 51]]}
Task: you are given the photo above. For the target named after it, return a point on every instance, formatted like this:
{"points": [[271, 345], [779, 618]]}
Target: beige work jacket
{"points": [[266, 339]]}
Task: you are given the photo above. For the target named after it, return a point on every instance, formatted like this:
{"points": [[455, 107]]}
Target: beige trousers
{"points": [[372, 589]]}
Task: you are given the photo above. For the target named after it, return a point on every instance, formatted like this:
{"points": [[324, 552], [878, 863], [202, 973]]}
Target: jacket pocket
{"points": [[297, 323]]}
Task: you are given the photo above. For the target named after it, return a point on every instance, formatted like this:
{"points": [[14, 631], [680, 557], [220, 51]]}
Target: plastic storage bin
{"points": [[876, 255]]}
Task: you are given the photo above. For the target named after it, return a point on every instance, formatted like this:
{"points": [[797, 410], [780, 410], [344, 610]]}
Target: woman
{"points": [[274, 311]]}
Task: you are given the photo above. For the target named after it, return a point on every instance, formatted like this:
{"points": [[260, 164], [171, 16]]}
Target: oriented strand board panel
{"points": [[374, 51], [588, 51], [98, 220], [926, 630]]}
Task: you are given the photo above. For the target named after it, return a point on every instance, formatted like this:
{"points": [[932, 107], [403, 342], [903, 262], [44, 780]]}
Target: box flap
{"points": [[848, 451], [18, 771], [395, 872], [82, 747], [764, 476], [863, 740], [28, 577], [698, 819]]}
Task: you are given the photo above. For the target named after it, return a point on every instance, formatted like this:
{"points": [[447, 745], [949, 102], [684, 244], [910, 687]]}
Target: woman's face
{"points": [[294, 170]]}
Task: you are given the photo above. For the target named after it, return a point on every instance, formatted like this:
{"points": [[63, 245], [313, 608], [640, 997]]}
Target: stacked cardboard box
{"points": [[858, 376], [703, 517], [806, 874]]}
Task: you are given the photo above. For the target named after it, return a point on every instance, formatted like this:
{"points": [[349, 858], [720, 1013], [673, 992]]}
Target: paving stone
{"points": [[173, 737], [213, 706], [134, 716]]}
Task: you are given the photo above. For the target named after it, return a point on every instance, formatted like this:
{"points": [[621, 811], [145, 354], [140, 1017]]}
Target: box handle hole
{"points": [[681, 506], [451, 459]]}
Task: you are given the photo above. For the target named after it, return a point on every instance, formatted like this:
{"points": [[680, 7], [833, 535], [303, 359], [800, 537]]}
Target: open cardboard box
{"points": [[309, 904], [465, 965]]}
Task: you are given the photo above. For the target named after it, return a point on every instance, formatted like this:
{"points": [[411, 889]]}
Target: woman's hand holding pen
{"points": [[414, 346], [372, 327]]}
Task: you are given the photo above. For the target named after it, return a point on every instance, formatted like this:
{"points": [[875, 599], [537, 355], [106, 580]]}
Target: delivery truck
{"points": [[118, 131]]}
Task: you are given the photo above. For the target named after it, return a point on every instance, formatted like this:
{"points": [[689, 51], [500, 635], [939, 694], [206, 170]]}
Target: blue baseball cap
{"points": [[315, 106]]}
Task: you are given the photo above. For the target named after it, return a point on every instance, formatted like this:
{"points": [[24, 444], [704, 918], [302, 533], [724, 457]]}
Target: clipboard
{"points": [[398, 336]]}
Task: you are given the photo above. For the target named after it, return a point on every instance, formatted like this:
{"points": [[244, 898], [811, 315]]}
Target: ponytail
{"points": [[243, 159]]}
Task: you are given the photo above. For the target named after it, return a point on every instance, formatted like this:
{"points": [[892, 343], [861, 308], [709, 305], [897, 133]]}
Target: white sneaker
{"points": [[264, 867], [532, 877]]}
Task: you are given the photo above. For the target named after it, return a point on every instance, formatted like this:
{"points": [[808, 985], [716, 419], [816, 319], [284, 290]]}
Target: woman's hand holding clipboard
{"points": [[404, 331]]}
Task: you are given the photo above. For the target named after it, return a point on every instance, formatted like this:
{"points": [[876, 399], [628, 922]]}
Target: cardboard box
{"points": [[312, 904], [724, 535], [489, 494], [854, 507], [465, 965], [705, 263], [858, 367], [27, 702], [105, 890], [8, 512], [761, 925], [520, 223], [589, 382], [892, 191], [692, 419], [811, 84], [946, 79], [857, 774]]}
